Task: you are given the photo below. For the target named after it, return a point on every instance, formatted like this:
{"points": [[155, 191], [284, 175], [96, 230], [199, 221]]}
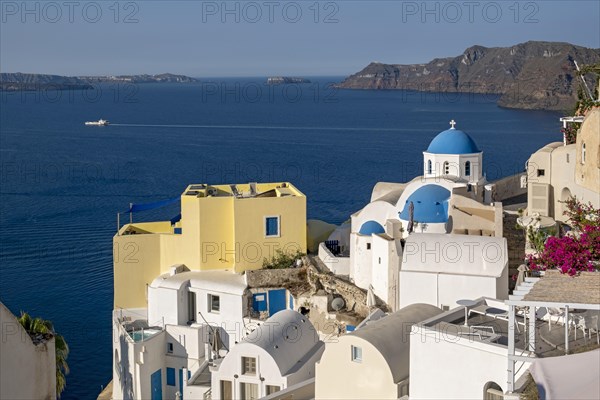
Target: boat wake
{"points": [[250, 127]]}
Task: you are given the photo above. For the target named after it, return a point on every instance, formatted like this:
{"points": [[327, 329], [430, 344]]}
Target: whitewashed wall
{"points": [[445, 367], [28, 371], [337, 265]]}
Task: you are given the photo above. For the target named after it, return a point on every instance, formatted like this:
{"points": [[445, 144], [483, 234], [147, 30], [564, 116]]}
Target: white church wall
{"points": [[378, 211], [360, 260]]}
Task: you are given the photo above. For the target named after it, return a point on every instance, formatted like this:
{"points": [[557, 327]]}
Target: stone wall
{"points": [[276, 277], [509, 187], [309, 280], [515, 239]]}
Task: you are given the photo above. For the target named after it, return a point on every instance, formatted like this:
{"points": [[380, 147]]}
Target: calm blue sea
{"points": [[62, 183]]}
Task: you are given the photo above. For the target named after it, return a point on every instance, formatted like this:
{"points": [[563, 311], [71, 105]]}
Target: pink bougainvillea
{"points": [[572, 254]]}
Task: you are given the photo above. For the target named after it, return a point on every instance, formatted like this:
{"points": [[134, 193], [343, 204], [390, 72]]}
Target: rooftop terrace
{"points": [[487, 322], [243, 191]]}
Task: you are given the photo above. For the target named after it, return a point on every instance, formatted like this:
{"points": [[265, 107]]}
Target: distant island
{"points": [[285, 80], [531, 75], [20, 81]]}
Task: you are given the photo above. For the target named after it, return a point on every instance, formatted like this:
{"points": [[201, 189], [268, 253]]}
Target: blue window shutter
{"points": [[181, 382], [171, 376], [259, 302], [272, 228]]}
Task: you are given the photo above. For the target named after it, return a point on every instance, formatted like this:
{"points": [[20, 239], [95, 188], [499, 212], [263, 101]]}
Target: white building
{"points": [[192, 318], [279, 353], [451, 359], [483, 348], [216, 298], [28, 367], [448, 198], [441, 269], [373, 361]]}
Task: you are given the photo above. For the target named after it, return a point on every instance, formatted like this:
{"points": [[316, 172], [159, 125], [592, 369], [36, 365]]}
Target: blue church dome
{"points": [[452, 141], [370, 227], [431, 204]]}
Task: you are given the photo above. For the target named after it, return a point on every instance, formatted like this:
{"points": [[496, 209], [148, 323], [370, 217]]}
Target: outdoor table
{"points": [[466, 303]]}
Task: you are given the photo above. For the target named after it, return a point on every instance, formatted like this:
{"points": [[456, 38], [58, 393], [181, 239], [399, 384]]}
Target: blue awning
{"points": [[176, 218]]}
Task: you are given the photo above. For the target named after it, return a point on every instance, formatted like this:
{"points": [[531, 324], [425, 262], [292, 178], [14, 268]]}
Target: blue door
{"points": [[156, 385], [259, 302], [276, 301], [181, 382]]}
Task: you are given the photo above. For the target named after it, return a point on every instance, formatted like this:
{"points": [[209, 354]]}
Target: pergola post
{"points": [[566, 329], [511, 349], [532, 316]]}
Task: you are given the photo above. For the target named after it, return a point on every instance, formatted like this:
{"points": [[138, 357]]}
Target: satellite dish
{"points": [[338, 303]]}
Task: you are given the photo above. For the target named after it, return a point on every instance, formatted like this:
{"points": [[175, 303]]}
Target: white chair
{"points": [[554, 312], [590, 321]]}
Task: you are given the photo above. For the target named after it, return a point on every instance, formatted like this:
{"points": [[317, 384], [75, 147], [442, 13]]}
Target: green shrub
{"points": [[282, 260]]}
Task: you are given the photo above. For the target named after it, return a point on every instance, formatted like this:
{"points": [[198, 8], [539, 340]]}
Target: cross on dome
{"points": [[453, 124]]}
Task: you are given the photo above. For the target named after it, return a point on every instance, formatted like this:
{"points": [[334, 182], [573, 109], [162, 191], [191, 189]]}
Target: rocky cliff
{"points": [[532, 75], [21, 81]]}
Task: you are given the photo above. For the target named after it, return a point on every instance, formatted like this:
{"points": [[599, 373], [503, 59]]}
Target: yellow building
{"points": [[558, 172], [222, 227]]}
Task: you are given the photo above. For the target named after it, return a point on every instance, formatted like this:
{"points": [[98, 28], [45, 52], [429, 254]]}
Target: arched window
{"points": [[492, 391], [583, 153], [468, 168], [429, 167], [446, 168]]}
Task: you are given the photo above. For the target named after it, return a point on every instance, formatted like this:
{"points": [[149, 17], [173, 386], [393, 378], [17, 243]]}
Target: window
{"points": [[541, 172], [248, 366], [171, 376], [368, 246], [446, 168], [272, 226], [429, 167], [214, 304], [492, 391], [248, 391], [567, 157], [169, 347], [356, 354], [468, 168], [583, 153], [226, 390], [379, 260], [272, 389], [192, 306]]}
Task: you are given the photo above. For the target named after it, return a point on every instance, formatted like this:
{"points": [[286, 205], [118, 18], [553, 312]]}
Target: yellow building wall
{"points": [[136, 261], [249, 229], [588, 174], [338, 377], [188, 252], [216, 242]]}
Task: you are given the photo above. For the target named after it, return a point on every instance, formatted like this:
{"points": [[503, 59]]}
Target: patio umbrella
{"points": [[371, 302], [521, 276], [411, 214], [568, 377]]}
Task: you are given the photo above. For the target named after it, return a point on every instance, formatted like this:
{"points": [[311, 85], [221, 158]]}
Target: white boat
{"points": [[100, 122]]}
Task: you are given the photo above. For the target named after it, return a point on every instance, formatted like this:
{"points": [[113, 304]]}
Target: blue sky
{"points": [[264, 37]]}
